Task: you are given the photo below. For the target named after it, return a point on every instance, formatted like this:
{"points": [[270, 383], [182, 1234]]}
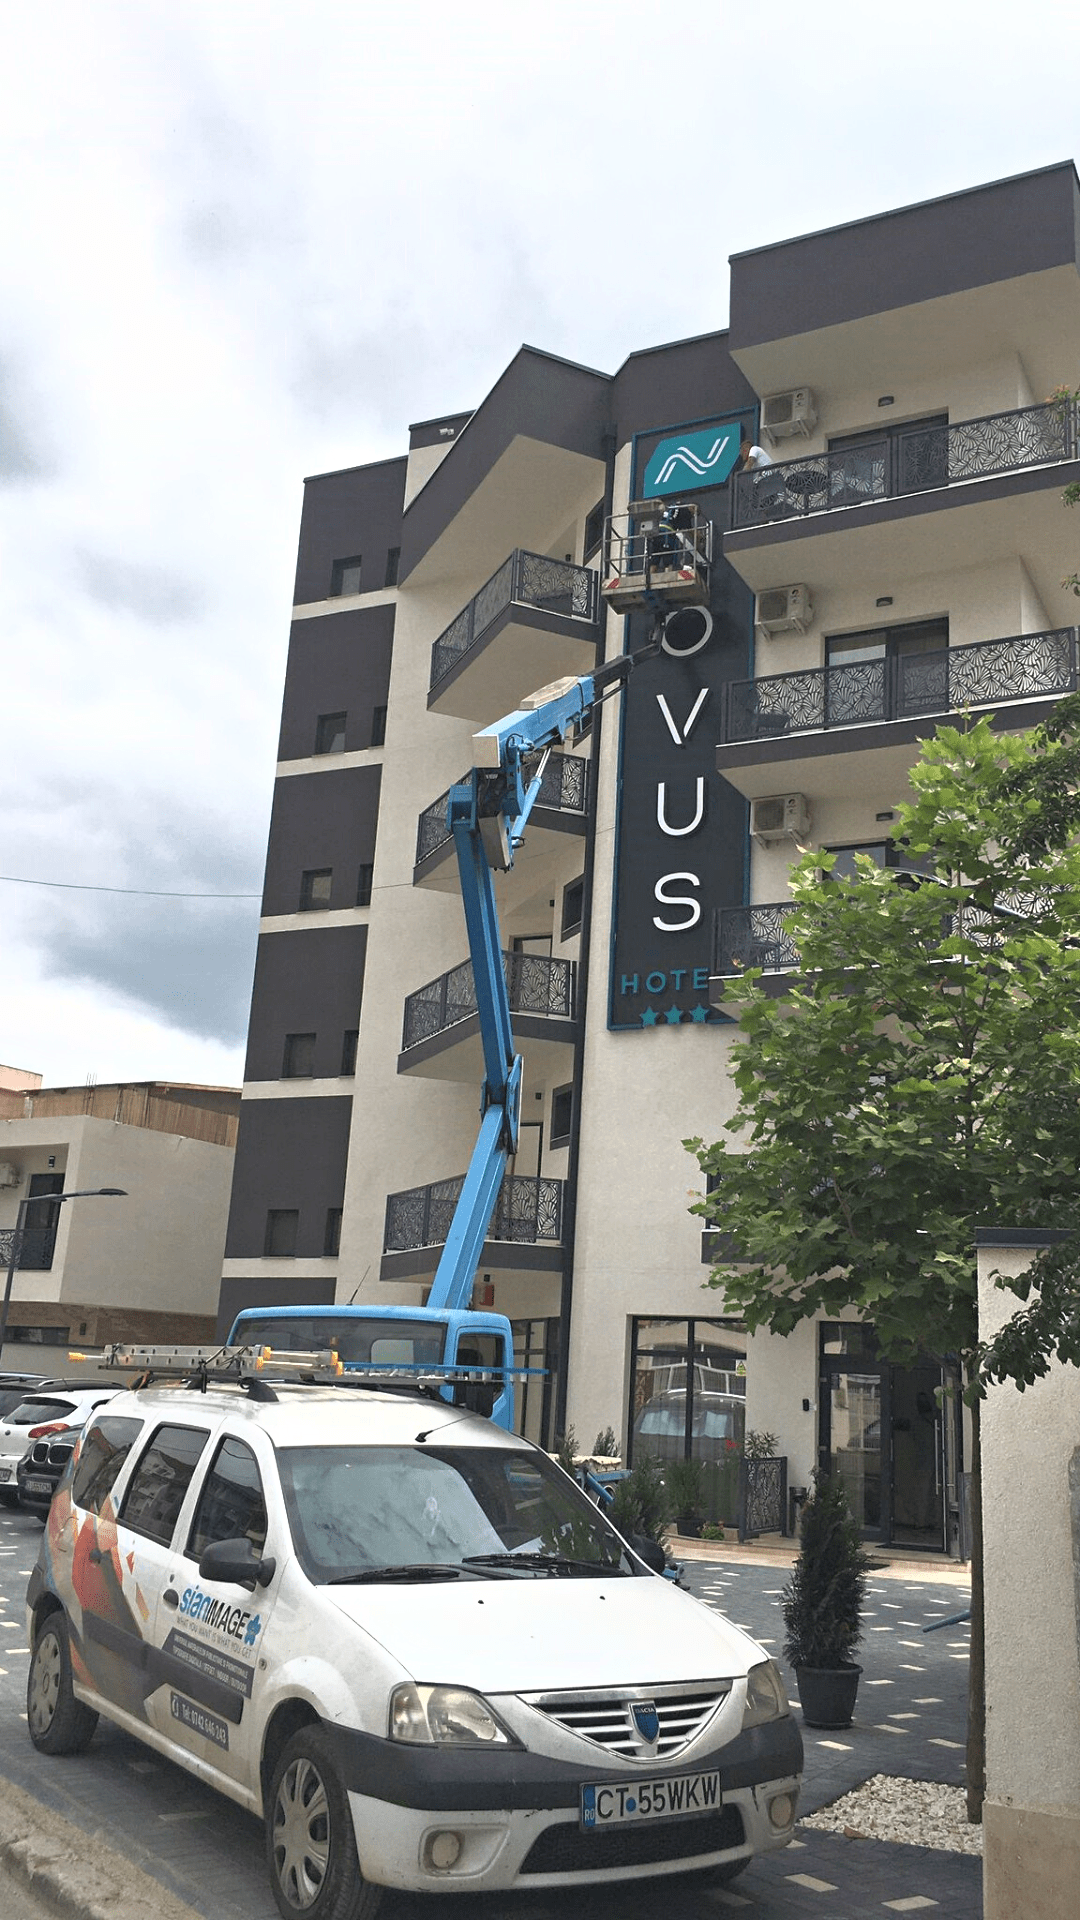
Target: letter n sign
{"points": [[685, 462]]}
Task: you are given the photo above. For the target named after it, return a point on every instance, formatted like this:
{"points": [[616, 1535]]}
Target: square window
{"points": [[364, 883], [345, 577], [298, 1060], [282, 1226], [332, 1235], [572, 905], [315, 889], [562, 1106], [349, 1042], [330, 733], [393, 555], [378, 726]]}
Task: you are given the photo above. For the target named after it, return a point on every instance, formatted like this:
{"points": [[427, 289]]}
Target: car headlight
{"points": [[445, 1717], [766, 1698]]}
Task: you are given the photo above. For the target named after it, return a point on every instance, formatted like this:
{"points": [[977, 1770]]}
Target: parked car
{"points": [[405, 1639], [15, 1387], [660, 1427], [52, 1406], [38, 1473]]}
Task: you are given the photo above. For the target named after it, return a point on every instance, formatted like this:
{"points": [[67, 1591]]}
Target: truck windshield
{"points": [[399, 1343], [358, 1512]]}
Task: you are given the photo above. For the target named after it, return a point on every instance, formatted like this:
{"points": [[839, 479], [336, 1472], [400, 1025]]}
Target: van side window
{"points": [[231, 1504], [157, 1487], [101, 1456]]}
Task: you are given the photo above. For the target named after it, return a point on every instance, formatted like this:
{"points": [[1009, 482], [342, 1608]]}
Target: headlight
{"points": [[765, 1695], [445, 1717]]}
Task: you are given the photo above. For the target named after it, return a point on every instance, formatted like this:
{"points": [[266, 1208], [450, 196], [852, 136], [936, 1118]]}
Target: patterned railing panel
{"points": [[564, 785], [753, 937], [906, 687], [907, 462], [528, 1210], [534, 984], [762, 1497], [35, 1249], [527, 579]]}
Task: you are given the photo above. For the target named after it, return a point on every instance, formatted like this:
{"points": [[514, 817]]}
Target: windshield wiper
{"points": [[410, 1570], [543, 1563]]}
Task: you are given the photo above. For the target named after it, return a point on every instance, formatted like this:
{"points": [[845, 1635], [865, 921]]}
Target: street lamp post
{"points": [[37, 1200]]}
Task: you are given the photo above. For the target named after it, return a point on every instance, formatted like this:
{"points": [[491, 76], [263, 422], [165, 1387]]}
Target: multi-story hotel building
{"points": [[900, 562]]}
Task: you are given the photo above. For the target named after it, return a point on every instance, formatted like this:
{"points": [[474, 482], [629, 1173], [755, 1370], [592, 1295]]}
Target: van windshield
{"points": [[363, 1513], [397, 1343]]}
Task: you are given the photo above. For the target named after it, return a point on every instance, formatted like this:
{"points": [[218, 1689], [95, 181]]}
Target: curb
{"points": [[74, 1873]]}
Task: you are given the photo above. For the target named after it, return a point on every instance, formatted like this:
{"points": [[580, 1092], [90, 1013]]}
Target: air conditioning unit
{"points": [[10, 1174], [780, 816], [783, 610], [788, 416]]}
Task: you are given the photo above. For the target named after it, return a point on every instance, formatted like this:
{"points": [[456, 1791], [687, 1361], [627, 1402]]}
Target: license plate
{"points": [[37, 1486], [669, 1799]]}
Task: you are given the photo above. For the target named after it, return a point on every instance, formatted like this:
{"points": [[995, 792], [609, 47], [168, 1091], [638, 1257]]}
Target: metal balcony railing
{"points": [[529, 1210], [761, 937], [35, 1249], [528, 580], [534, 984], [906, 686], [911, 461], [565, 785]]}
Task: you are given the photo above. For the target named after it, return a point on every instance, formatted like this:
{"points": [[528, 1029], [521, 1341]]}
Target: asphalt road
{"points": [[910, 1720]]}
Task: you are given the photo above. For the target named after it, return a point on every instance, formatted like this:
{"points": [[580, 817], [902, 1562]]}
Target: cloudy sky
{"points": [[243, 242]]}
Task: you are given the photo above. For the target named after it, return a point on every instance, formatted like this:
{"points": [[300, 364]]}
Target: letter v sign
{"points": [[681, 738]]}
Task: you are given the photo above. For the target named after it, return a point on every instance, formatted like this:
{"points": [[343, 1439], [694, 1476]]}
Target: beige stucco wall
{"points": [[1032, 1819]]}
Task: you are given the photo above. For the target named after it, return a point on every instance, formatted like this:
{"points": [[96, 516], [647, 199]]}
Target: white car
{"points": [[41, 1409], [405, 1639]]}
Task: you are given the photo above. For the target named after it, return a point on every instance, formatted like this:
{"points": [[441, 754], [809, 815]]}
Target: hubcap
{"points": [[301, 1834], [44, 1683]]}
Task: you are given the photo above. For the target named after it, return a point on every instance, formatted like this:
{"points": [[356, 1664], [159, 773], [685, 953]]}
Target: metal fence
{"points": [[528, 1210], [564, 786], [36, 1251], [534, 984], [525, 579], [908, 461], [762, 1497]]}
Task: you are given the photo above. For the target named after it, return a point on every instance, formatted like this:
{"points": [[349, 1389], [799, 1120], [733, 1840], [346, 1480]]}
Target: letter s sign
{"points": [[677, 900]]}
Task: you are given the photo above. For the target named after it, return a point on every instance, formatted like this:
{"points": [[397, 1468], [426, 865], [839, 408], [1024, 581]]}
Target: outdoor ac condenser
{"points": [[783, 610], [788, 416], [780, 816]]}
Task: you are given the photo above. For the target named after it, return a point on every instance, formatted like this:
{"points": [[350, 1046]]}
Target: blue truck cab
{"points": [[397, 1340]]}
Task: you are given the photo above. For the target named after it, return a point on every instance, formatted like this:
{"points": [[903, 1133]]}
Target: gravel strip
{"points": [[920, 1813]]}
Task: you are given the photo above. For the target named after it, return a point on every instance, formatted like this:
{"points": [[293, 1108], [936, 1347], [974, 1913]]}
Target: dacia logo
{"points": [[646, 1720]]}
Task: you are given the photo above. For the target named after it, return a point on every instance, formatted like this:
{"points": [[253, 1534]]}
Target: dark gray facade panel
{"points": [[437, 433], [689, 380], [356, 512], [338, 663], [321, 821], [305, 982], [538, 396], [235, 1295], [997, 232], [290, 1154]]}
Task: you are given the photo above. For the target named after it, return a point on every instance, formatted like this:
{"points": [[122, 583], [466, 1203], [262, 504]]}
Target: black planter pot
{"points": [[828, 1694], [689, 1526]]}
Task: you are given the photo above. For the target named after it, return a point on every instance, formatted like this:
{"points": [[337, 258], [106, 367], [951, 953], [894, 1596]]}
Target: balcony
{"points": [[966, 492], [532, 622], [525, 1233], [441, 1029], [561, 809], [34, 1247], [786, 730]]}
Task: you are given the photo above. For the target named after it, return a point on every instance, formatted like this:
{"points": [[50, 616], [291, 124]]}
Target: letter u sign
{"points": [[661, 809]]}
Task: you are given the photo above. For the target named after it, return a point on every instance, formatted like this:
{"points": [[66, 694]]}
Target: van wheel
{"points": [[58, 1722], [310, 1845]]}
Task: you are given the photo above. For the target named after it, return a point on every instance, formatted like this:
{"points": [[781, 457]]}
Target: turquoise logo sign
{"points": [[685, 461]]}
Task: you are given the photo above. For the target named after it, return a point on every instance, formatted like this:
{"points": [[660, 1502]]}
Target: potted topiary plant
{"points": [[640, 1509], [685, 1481], [822, 1607]]}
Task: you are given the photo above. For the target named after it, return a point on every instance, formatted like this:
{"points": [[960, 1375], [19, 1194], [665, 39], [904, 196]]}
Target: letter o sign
{"points": [[686, 631]]}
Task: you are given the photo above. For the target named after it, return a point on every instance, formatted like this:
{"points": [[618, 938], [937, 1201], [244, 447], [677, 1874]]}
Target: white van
{"points": [[405, 1639]]}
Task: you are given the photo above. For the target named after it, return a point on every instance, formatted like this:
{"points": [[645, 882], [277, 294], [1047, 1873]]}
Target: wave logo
{"points": [[684, 462]]}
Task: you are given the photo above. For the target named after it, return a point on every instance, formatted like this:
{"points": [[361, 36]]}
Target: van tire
{"points": [[310, 1844], [58, 1723]]}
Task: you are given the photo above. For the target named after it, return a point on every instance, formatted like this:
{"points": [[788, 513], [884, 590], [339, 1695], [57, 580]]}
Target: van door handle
{"points": [[171, 1597]]}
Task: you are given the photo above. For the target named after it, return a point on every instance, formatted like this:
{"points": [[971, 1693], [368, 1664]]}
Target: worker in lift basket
{"points": [[667, 549]]}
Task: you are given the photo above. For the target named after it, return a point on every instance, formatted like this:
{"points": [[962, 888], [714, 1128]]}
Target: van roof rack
{"points": [[253, 1367]]}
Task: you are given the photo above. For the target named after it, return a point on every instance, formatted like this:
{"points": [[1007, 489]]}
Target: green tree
{"points": [[920, 1078], [1068, 399]]}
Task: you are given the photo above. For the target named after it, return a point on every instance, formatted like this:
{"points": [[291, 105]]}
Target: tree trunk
{"points": [[976, 1730]]}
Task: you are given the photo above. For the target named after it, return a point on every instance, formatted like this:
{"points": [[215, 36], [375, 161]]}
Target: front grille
{"points": [[607, 1719], [566, 1849]]}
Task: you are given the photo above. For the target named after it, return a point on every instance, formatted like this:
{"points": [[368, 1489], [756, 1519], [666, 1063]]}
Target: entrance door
{"points": [[853, 1439], [882, 1432]]}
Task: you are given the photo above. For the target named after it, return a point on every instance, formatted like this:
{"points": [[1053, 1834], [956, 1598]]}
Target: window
{"points": [[282, 1225], [156, 1490], [330, 733], [903, 456], [345, 577], [378, 726], [594, 531], [298, 1061], [231, 1505], [364, 882], [315, 885], [561, 1111], [332, 1235], [887, 673], [393, 555], [39, 1336], [349, 1042], [572, 904], [104, 1451], [39, 1227]]}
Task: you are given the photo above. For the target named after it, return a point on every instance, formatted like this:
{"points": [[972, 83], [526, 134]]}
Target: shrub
{"points": [[823, 1600], [642, 1503]]}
